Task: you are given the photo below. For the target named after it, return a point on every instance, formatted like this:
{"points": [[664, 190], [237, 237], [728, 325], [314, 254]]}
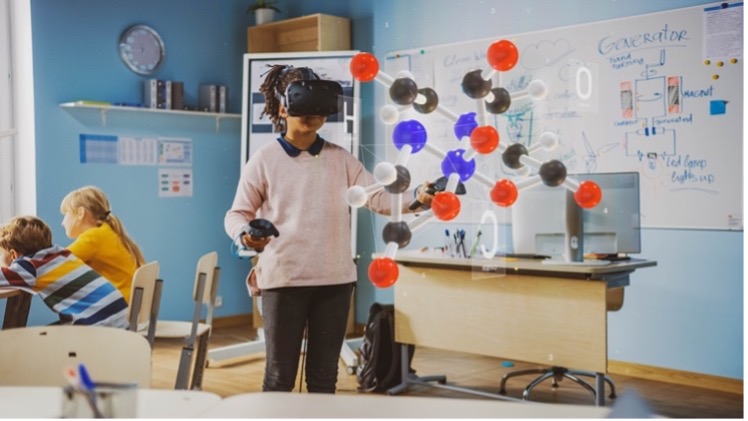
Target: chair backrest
{"points": [[38, 356], [145, 299], [207, 265]]}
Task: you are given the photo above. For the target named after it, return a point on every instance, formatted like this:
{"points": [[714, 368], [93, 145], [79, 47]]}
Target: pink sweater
{"points": [[304, 197]]}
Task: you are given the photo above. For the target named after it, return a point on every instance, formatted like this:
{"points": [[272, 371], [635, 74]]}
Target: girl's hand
{"points": [[254, 290], [423, 195], [256, 243]]}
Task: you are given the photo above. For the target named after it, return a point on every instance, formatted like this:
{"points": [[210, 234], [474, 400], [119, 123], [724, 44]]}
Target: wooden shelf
{"points": [[318, 32], [103, 110]]}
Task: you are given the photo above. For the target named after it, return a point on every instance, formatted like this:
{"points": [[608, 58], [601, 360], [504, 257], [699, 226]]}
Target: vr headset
{"points": [[312, 96]]}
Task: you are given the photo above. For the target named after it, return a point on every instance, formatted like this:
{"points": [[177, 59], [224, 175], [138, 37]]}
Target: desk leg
{"points": [[17, 311], [408, 379], [599, 389]]}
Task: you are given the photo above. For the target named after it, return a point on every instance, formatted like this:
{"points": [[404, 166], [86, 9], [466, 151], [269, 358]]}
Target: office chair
{"points": [[194, 333], [145, 300], [39, 355], [556, 374], [613, 302]]}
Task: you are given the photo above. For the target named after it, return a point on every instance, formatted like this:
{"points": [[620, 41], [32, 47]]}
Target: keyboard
{"points": [[522, 255]]}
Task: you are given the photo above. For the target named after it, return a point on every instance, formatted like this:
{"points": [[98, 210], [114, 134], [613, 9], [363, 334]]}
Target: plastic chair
{"points": [[145, 300], [193, 332], [39, 355]]}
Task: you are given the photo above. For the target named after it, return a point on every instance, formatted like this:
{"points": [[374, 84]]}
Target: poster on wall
{"points": [[175, 182]]}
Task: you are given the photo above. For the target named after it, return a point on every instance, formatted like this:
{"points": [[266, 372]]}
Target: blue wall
{"points": [[75, 57], [685, 314]]}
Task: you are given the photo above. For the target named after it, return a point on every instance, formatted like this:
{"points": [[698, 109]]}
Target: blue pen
{"points": [[89, 388], [446, 241]]}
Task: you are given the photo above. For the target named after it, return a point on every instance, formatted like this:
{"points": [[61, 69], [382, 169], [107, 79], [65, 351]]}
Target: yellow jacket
{"points": [[103, 250]]}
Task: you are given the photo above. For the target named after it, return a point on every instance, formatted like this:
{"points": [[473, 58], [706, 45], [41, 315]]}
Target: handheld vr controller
{"points": [[262, 228]]}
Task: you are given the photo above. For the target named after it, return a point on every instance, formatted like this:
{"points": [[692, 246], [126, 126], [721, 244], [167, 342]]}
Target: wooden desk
{"points": [[518, 309], [16, 307]]}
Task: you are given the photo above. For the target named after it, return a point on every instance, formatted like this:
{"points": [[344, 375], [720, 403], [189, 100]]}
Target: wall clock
{"points": [[141, 49]]}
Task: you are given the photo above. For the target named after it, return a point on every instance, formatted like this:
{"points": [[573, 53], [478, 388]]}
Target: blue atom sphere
{"points": [[465, 125], [455, 163], [409, 132]]}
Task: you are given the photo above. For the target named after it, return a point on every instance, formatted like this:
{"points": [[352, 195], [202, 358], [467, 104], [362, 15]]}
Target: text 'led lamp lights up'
{"points": [[457, 165]]}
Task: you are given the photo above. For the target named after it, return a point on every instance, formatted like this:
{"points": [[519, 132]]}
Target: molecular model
{"points": [[458, 164]]}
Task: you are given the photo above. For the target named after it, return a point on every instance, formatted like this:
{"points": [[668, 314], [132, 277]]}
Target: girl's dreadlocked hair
{"points": [[274, 88]]}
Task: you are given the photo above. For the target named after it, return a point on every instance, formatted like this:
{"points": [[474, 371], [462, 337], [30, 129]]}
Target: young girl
{"points": [[100, 237], [306, 275]]}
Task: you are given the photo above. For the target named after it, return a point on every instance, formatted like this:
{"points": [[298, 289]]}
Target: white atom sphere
{"points": [[537, 89], [355, 196], [389, 114], [385, 173], [549, 140]]}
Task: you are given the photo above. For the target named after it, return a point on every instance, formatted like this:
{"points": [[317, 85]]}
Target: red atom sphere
{"points": [[383, 272], [588, 195], [484, 139], [446, 206], [364, 67], [504, 193], [502, 55]]}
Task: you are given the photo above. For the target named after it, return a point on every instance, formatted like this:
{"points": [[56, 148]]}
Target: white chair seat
{"points": [[178, 329]]}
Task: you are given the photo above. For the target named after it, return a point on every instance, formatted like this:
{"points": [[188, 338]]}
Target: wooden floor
{"points": [[464, 370]]}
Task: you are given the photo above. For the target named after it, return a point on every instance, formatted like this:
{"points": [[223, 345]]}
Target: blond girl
{"points": [[100, 238]]}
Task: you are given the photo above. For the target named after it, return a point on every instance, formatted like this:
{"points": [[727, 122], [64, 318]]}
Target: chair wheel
{"points": [[442, 381], [351, 370]]}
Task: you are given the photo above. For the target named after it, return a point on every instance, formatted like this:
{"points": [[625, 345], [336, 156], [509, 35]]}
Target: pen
{"points": [[89, 389], [461, 243], [475, 244]]}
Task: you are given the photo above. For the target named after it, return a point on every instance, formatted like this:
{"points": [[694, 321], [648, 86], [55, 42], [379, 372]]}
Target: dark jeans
{"points": [[285, 313]]}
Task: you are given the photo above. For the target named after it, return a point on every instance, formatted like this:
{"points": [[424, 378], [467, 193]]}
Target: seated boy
{"points": [[29, 260]]}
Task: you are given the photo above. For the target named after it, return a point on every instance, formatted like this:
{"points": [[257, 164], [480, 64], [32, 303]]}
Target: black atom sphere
{"points": [[402, 183], [553, 173], [403, 91], [474, 86], [511, 155], [399, 232]]}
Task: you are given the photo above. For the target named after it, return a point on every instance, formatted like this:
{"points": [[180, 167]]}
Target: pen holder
{"points": [[106, 400]]}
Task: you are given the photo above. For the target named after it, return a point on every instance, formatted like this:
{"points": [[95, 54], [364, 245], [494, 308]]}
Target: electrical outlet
{"points": [[219, 301]]}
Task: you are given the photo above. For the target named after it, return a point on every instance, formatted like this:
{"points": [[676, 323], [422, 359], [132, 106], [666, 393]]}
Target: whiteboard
{"points": [[660, 94]]}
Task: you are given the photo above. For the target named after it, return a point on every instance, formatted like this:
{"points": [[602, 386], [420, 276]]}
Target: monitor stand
{"points": [[574, 238]]}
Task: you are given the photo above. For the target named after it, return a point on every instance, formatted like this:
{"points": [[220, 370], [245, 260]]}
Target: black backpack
{"points": [[379, 366]]}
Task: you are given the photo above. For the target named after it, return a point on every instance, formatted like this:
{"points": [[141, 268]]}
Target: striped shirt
{"points": [[68, 287]]}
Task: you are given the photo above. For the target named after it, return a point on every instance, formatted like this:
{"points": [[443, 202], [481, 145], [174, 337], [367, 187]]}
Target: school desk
{"points": [[518, 309], [46, 402], [349, 406], [17, 307]]}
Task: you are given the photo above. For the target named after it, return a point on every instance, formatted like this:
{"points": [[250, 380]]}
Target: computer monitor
{"points": [[547, 220]]}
